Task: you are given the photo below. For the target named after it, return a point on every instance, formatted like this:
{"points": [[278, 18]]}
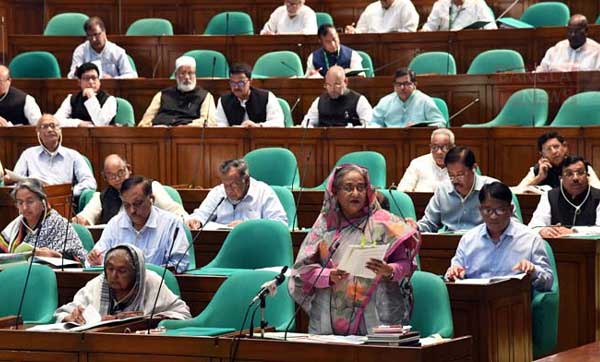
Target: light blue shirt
{"points": [[419, 108], [448, 208], [65, 166], [260, 202], [154, 238], [112, 60], [483, 258]]}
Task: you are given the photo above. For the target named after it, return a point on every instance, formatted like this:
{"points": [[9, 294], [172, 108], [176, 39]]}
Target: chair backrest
{"points": [[286, 198], [41, 297], [549, 13], [287, 112], [84, 199], [282, 63], [582, 109], [544, 313], [598, 20], [515, 201], [88, 162], [443, 107], [173, 194], [125, 115], [150, 26], [324, 18], [209, 63], [230, 23], [66, 24], [497, 61], [433, 63], [372, 161], [367, 63], [525, 107], [246, 245], [87, 240], [132, 62], [274, 166], [400, 203], [36, 64], [431, 311], [170, 280]]}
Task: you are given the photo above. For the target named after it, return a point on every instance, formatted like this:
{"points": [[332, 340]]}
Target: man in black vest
{"points": [[91, 106], [331, 53], [16, 107], [185, 104], [245, 105], [573, 203], [338, 106]]}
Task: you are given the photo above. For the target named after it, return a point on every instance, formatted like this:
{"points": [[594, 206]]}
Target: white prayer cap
{"points": [[185, 60]]}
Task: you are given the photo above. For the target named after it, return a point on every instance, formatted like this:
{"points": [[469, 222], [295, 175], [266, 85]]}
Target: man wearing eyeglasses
{"points": [[110, 58], [573, 203], [106, 204], [293, 17], [52, 163], [91, 106], [500, 246], [406, 106], [427, 172], [245, 105]]}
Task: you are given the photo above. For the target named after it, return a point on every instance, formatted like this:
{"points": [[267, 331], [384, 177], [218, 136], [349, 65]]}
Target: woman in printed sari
{"points": [[36, 216], [125, 289], [340, 303]]}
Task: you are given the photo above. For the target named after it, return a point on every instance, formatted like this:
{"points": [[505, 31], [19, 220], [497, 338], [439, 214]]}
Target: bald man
{"points": [[16, 107], [576, 53], [106, 204], [338, 106]]}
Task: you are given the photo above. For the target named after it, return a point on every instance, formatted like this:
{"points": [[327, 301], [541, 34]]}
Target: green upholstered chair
{"points": [[515, 201], [66, 24], [245, 246], [497, 61], [581, 109], [431, 311], [372, 161], [400, 203], [225, 312], [433, 63], [125, 115], [170, 280], [324, 18], [367, 63], [274, 165], [132, 62], [89, 163], [287, 112], [548, 13], [282, 63], [286, 198], [204, 64], [150, 26], [41, 297], [87, 240], [598, 20], [526, 107], [544, 314], [443, 107], [84, 198], [36, 64], [173, 194], [230, 23]]}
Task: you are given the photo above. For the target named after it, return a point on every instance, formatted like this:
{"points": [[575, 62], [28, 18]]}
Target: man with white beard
{"points": [[183, 105]]}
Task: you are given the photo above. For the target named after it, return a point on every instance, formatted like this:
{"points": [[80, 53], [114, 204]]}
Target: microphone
{"points": [[294, 108], [390, 189], [155, 68], [212, 71], [64, 246], [267, 287], [534, 95], [509, 8], [463, 109], [283, 62]]}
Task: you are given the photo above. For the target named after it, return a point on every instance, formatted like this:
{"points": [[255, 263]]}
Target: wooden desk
{"points": [[587, 353], [59, 196]]}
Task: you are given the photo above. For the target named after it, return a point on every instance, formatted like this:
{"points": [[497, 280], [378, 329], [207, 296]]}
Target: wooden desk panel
{"points": [[587, 353]]}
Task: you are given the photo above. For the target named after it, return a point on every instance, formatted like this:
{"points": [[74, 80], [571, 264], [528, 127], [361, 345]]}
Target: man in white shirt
{"points": [[387, 16], [245, 105], [458, 14], [576, 53], [338, 106], [426, 172], [110, 58], [331, 53], [291, 18], [91, 106], [16, 106]]}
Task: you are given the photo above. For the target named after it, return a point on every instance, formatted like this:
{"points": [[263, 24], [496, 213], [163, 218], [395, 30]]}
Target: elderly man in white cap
{"points": [[181, 105]]}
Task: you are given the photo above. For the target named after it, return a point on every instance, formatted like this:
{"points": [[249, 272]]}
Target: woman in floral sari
{"points": [[340, 303]]}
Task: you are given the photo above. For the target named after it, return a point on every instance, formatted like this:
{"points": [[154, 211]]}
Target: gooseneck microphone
{"points": [[268, 286], [463, 109]]}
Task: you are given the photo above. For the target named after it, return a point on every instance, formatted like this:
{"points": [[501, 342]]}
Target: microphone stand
{"points": [[463, 109], [263, 321], [64, 246]]}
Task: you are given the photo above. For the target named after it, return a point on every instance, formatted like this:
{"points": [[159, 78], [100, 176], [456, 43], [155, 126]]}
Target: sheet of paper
{"points": [[315, 338], [355, 259], [91, 315], [214, 226], [55, 262], [485, 281], [584, 231], [99, 226]]}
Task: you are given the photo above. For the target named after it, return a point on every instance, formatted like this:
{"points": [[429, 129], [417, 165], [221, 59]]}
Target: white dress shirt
{"points": [[101, 115], [563, 58], [401, 16], [592, 178], [363, 109], [542, 216], [423, 175], [355, 63], [275, 116], [112, 60], [305, 22], [445, 13]]}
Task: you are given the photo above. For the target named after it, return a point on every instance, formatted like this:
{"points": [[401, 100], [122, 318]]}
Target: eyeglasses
{"points": [[136, 205], [350, 188], [88, 78], [238, 84], [115, 176], [402, 84], [577, 173], [436, 148], [488, 211], [457, 177], [47, 126]]}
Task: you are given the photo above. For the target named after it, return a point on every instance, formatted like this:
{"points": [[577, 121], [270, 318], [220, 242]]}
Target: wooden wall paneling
{"points": [[20, 19], [477, 139], [175, 12], [403, 47], [343, 12], [145, 51], [591, 146], [590, 9], [173, 47]]}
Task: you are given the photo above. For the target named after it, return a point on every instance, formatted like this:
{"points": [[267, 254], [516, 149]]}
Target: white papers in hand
{"points": [[355, 259]]}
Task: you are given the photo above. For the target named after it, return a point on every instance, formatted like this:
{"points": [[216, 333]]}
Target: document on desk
{"points": [[486, 281], [215, 226], [354, 260]]}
